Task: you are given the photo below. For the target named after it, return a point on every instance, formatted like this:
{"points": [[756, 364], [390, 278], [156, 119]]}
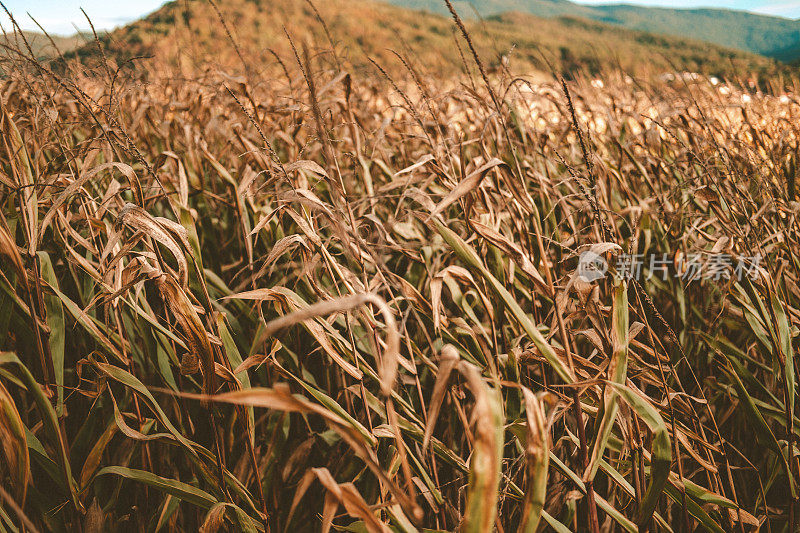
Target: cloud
{"points": [[791, 8], [58, 16]]}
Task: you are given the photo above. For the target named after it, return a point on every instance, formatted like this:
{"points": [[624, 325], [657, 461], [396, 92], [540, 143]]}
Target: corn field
{"points": [[327, 300]]}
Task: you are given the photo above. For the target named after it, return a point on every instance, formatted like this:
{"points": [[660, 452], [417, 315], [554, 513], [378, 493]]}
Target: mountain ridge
{"points": [[182, 31], [766, 35]]}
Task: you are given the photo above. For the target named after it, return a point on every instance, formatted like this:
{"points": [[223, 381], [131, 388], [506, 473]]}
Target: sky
{"points": [[60, 17]]}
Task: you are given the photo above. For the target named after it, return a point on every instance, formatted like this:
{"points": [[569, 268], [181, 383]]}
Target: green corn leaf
{"points": [[49, 420], [661, 450], [129, 380], [55, 321], [180, 490], [537, 454], [485, 466], [468, 255], [762, 430], [785, 344], [617, 373]]}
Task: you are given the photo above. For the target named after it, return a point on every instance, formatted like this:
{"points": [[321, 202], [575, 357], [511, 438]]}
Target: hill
{"points": [[187, 33], [41, 45], [770, 36]]}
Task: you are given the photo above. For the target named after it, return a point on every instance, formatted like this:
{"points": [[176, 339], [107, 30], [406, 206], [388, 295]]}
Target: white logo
{"points": [[591, 266]]}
